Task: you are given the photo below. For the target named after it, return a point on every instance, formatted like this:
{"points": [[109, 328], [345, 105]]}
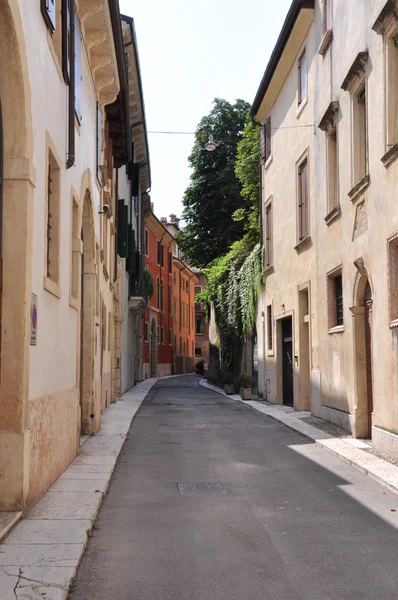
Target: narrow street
{"points": [[293, 522]]}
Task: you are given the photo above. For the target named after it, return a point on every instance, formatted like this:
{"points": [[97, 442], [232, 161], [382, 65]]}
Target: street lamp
{"points": [[210, 145]]}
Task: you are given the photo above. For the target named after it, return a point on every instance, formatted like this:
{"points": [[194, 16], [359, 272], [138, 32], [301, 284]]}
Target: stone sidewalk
{"points": [[347, 448], [39, 559]]}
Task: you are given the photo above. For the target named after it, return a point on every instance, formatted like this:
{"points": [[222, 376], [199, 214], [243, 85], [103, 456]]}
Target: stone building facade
{"points": [[65, 132], [327, 317]]}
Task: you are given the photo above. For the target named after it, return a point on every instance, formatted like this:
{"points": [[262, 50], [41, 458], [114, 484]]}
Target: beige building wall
{"points": [[358, 240], [292, 273], [41, 435], [353, 172]]}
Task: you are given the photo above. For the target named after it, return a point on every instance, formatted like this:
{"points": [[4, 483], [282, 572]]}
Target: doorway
{"points": [[90, 417], [287, 361], [368, 355], [154, 349], [362, 320]]}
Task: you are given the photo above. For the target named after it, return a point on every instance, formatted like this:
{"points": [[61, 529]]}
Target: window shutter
{"points": [[262, 144], [66, 50], [170, 262], [267, 138], [131, 258], [99, 143], [122, 216], [78, 68], [271, 253], [304, 228], [48, 10], [136, 180]]}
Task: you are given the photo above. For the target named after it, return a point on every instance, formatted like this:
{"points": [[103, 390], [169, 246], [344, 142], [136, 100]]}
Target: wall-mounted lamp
{"points": [[282, 306], [104, 210]]}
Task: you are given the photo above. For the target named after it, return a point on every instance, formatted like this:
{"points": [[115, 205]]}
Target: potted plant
{"points": [[244, 383], [228, 382]]}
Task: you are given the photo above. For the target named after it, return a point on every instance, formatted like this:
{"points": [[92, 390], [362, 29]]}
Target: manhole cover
{"points": [[200, 488]]}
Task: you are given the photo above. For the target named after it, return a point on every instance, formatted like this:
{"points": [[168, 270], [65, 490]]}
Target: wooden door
{"points": [[368, 343]]}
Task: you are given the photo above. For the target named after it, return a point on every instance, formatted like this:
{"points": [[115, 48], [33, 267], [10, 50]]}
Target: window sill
{"points": [[303, 245], [394, 324], [74, 303], [336, 329], [333, 215], [52, 287], [390, 156], [302, 106], [269, 270], [270, 353], [325, 43], [268, 162], [359, 188]]}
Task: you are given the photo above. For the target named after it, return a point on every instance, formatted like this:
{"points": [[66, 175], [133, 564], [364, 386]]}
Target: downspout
{"points": [[71, 108], [1, 219]]}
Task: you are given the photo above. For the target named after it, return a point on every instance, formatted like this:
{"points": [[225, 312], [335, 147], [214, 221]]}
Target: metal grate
{"points": [[200, 488]]}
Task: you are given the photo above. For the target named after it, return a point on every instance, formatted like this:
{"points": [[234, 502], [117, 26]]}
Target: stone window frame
{"points": [[392, 261], [331, 301], [356, 80], [270, 349], [76, 253], [329, 125], [305, 242], [386, 25], [327, 24], [51, 283]]}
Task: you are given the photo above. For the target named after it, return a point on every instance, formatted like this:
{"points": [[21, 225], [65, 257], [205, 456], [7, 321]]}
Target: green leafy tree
{"points": [[215, 192], [247, 167]]}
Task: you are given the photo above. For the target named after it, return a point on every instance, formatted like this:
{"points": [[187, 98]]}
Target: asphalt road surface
{"points": [[289, 521]]}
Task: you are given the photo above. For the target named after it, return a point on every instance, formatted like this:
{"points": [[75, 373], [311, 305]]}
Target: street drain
{"points": [[200, 488]]}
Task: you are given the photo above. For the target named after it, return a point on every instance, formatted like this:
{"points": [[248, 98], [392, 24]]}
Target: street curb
{"points": [[381, 471], [55, 531]]}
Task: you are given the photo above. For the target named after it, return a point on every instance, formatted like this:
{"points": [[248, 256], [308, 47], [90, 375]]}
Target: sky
{"points": [[192, 51]]}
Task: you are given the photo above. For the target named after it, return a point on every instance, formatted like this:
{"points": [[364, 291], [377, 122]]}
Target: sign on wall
{"points": [[33, 320]]}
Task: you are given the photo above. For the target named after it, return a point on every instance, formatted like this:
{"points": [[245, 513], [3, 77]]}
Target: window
{"points": [[52, 218], [303, 216], [198, 305], [175, 278], [199, 325], [170, 256], [78, 68], [359, 135], [169, 337], [392, 89], [198, 351], [175, 310], [145, 332], [109, 330], [393, 278], [327, 15], [99, 143], [146, 242], [268, 234], [49, 9], [265, 141], [187, 286], [332, 170], [76, 252], [169, 300], [162, 335], [335, 299], [302, 77], [269, 328], [160, 294], [160, 254]]}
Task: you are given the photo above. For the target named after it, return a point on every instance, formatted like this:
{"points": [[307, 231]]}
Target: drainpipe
{"points": [[71, 116], [1, 215]]}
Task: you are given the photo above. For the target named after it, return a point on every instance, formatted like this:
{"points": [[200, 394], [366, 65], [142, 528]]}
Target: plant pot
{"points": [[246, 393], [229, 388]]}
